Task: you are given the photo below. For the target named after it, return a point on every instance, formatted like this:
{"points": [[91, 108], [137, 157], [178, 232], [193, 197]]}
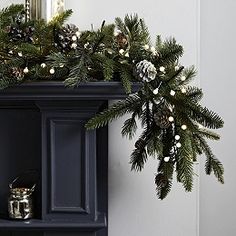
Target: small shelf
{"points": [[41, 225], [56, 90]]}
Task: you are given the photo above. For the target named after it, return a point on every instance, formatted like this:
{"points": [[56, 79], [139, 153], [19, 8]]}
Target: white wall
{"points": [[218, 50]]}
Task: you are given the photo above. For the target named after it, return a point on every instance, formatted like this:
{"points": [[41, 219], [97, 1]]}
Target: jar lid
{"points": [[21, 191]]}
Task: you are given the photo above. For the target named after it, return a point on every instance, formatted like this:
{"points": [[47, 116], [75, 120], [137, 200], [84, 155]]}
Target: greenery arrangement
{"points": [[175, 125]]}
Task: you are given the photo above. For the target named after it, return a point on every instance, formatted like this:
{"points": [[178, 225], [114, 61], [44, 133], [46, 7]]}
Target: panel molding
{"points": [[55, 117], [84, 208]]}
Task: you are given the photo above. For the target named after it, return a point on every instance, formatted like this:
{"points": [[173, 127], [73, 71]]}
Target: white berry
{"points": [[20, 54], [171, 118], [184, 127], [178, 145], [52, 71], [166, 159], [183, 90], [172, 92], [183, 78], [177, 137], [26, 70]]}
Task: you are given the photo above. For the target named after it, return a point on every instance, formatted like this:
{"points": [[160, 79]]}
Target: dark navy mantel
{"points": [[42, 128]]}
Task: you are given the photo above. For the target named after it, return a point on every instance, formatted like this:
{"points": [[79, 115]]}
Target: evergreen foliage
{"points": [[175, 125]]}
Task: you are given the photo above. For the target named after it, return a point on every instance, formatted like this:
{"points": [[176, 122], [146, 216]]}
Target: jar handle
{"points": [[21, 175]]}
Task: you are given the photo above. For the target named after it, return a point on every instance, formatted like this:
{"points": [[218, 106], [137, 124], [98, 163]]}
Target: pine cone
{"points": [[66, 38], [122, 40], [15, 34], [17, 73], [161, 117], [146, 71]]}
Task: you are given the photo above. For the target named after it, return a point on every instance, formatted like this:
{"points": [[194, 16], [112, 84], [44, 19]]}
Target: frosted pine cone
{"points": [[67, 37], [146, 70]]}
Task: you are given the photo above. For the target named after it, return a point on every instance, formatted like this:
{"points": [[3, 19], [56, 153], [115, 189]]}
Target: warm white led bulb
{"points": [[177, 137], [178, 145], [43, 65], [162, 69], [26, 70], [74, 38], [155, 91], [166, 159], [171, 118], [172, 92], [52, 71]]}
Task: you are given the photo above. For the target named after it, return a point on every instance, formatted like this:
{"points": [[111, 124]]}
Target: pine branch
{"points": [[6, 82], [105, 64], [194, 93], [129, 105], [57, 59], [212, 163], [139, 154], [163, 179], [158, 42], [120, 25], [155, 145], [138, 158], [208, 134], [184, 166], [204, 116], [169, 52], [78, 74], [59, 20], [189, 74], [9, 13], [130, 126], [126, 78]]}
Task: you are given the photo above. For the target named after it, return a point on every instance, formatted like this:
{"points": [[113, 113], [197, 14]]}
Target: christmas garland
{"points": [[175, 125]]}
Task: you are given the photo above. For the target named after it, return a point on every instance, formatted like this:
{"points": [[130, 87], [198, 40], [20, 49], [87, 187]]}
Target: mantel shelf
{"points": [[36, 224], [56, 90]]}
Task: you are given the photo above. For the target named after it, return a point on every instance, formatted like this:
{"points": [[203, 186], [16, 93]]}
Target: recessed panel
{"points": [[67, 153]]}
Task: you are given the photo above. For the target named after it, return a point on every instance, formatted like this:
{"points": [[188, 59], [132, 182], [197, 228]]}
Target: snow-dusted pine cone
{"points": [[17, 32], [146, 71], [67, 37]]}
